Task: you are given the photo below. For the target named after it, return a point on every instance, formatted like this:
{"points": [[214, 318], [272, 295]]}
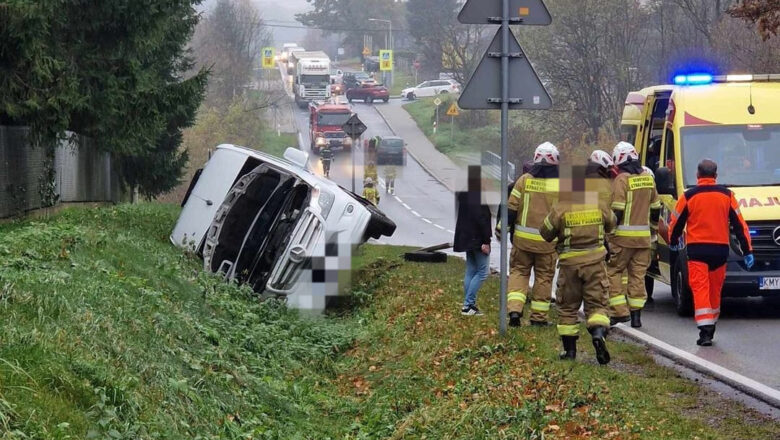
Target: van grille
{"points": [[298, 254], [762, 239]]}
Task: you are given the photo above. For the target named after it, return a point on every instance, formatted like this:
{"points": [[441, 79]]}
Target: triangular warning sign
{"points": [[529, 12], [453, 110], [524, 83]]}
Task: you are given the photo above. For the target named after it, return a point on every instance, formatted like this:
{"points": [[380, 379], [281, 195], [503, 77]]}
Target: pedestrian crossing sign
{"points": [[453, 110], [385, 60], [268, 58]]}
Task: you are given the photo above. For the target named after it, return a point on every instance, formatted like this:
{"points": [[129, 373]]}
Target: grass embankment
{"points": [[460, 144], [401, 80], [108, 331]]}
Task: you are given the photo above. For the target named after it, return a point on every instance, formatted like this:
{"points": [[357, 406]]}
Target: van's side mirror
{"points": [[663, 181]]}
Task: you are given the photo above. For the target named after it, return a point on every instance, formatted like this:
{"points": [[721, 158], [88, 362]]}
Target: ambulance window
{"points": [[669, 155], [628, 133]]}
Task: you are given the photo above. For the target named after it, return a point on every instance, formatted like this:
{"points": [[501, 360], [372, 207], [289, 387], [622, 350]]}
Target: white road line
{"points": [[439, 226], [300, 141], [745, 384], [416, 213], [427, 221], [399, 200], [450, 231], [406, 206]]}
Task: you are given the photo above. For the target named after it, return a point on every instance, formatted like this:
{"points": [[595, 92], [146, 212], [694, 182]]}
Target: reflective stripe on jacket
{"points": [[633, 198], [580, 231], [532, 198], [705, 212]]}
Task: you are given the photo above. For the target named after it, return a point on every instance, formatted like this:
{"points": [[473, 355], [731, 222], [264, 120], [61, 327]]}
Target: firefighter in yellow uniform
{"points": [[579, 223], [637, 207], [529, 203], [369, 192]]}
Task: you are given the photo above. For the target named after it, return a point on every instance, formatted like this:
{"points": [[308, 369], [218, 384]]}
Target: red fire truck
{"points": [[325, 122]]}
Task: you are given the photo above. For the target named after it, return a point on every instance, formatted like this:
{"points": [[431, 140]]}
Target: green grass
{"points": [[276, 145], [452, 140], [108, 331]]}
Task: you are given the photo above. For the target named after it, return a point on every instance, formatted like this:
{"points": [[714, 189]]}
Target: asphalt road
{"points": [[746, 341]]}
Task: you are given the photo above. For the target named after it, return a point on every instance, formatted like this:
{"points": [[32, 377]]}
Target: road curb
{"points": [[753, 388], [409, 150]]}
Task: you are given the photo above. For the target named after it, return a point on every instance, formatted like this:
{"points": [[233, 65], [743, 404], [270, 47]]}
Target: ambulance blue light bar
{"points": [[693, 79]]}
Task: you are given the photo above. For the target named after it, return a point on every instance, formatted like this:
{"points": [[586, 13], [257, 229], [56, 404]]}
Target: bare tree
{"points": [[764, 12], [228, 42]]}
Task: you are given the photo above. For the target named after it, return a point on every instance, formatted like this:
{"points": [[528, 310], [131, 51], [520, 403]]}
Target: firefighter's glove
{"points": [[750, 260]]}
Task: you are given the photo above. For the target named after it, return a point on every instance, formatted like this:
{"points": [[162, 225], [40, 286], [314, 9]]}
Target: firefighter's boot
{"points": [[514, 319], [706, 333], [599, 343], [569, 348], [636, 318], [614, 320]]}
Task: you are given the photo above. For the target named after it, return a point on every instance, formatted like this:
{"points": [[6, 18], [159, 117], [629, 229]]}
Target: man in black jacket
{"points": [[472, 236]]}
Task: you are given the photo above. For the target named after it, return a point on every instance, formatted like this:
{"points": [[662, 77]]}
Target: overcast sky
{"points": [[279, 12]]}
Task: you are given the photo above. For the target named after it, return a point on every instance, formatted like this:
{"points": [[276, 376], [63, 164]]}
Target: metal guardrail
{"points": [[491, 164]]}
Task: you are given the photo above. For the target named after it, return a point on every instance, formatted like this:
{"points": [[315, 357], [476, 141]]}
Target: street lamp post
{"points": [[390, 34]]}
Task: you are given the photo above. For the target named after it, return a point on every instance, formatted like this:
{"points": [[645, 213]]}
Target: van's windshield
{"points": [[747, 155]]}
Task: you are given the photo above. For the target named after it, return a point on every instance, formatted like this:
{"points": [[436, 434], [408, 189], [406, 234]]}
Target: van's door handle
{"points": [[209, 203]]}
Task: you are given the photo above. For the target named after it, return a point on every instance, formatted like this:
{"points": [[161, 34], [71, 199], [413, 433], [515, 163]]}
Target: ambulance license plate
{"points": [[769, 283]]}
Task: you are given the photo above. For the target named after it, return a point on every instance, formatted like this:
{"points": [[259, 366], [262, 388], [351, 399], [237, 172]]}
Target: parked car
{"points": [[354, 79], [368, 93], [371, 64], [274, 225], [431, 88], [391, 150]]}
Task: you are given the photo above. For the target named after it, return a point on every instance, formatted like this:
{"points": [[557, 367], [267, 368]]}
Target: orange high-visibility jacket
{"points": [[708, 210]]}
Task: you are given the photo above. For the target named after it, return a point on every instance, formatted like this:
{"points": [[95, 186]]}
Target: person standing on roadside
{"points": [[637, 208], [472, 236], [579, 221], [529, 203], [708, 212]]}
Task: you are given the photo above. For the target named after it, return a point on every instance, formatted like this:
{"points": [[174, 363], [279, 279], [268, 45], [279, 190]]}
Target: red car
{"points": [[368, 93]]}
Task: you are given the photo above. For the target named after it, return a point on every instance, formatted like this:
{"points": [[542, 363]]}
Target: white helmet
{"points": [[546, 153], [368, 181], [602, 158], [623, 152], [648, 170]]}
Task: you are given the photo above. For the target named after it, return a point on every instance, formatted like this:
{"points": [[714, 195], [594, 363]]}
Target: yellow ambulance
{"points": [[734, 120]]}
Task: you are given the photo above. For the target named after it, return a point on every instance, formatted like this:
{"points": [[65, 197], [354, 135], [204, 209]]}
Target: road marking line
{"points": [[427, 221], [406, 206], [440, 227], [300, 141], [415, 213], [745, 384], [399, 200], [450, 231]]}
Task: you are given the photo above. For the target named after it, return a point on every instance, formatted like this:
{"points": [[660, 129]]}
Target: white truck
{"points": [[311, 81]]}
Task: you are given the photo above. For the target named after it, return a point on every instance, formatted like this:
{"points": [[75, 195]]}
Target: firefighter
{"points": [[637, 208], [370, 171], [529, 202], [707, 212], [579, 222], [369, 192], [390, 173]]}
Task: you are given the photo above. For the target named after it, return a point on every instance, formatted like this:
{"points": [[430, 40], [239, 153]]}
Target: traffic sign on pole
{"points": [[354, 127], [385, 60], [526, 12], [504, 79], [268, 58], [366, 51], [526, 91], [453, 110]]}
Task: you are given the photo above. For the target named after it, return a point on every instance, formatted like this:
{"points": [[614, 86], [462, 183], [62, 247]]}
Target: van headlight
{"points": [[321, 200], [321, 141]]}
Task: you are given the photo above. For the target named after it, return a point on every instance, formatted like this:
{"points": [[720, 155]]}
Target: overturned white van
{"points": [[276, 226]]}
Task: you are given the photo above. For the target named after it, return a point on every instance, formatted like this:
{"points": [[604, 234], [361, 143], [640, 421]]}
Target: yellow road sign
{"points": [[385, 60], [453, 110], [269, 61], [366, 52]]}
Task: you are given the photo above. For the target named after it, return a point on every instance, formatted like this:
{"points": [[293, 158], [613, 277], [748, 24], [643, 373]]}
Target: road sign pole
{"points": [[452, 131], [355, 143], [504, 196]]}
